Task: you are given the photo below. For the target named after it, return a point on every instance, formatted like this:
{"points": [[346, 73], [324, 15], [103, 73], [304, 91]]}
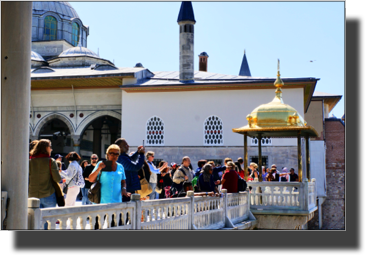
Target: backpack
{"points": [[242, 184], [194, 181], [177, 188]]}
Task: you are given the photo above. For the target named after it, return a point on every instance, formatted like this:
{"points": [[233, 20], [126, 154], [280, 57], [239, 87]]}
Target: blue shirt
{"points": [[110, 184], [132, 164], [206, 186]]}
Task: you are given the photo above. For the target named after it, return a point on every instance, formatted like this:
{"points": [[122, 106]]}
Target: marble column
{"points": [[16, 37]]}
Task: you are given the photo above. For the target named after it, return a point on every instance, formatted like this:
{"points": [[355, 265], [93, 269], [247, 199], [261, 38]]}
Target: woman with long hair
{"points": [[164, 181], [206, 181], [74, 178], [43, 172], [239, 170]]}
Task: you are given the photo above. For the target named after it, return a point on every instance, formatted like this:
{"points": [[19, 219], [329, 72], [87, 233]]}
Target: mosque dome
{"points": [[37, 57], [78, 51], [63, 9], [57, 25]]}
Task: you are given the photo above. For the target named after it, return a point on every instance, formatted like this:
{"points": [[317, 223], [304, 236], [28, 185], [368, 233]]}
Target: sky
{"points": [[294, 32]]}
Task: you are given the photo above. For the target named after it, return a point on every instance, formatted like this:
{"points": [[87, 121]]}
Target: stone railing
{"points": [[4, 199], [283, 197], [229, 211]]}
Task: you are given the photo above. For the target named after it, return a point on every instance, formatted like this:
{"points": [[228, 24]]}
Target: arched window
{"points": [[155, 130], [213, 131], [75, 34], [50, 29], [265, 141]]}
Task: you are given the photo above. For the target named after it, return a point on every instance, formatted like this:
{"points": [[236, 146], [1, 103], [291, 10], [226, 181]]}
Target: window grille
{"points": [[213, 131], [265, 141], [155, 130], [50, 29]]}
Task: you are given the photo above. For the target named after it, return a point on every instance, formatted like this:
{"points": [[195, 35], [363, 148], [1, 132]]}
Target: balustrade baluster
{"points": [[82, 224], [51, 225]]}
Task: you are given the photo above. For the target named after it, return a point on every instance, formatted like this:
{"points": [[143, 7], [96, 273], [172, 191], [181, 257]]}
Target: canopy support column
{"points": [[260, 159], [307, 157], [299, 147], [245, 157]]}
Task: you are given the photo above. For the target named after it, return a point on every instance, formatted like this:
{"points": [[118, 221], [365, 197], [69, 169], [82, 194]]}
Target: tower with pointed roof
{"points": [[186, 22], [244, 68]]}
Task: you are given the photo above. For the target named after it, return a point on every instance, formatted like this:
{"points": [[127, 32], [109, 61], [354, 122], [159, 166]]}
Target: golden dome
{"points": [[275, 113]]}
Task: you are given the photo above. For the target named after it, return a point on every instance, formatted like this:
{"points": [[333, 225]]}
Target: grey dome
{"points": [[37, 57], [63, 9], [78, 51]]}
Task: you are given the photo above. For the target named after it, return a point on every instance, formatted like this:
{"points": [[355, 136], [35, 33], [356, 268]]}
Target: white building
{"points": [[83, 102]]}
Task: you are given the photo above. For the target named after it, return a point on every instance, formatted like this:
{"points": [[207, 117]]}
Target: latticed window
{"points": [[213, 131], [265, 141], [50, 29], [75, 34], [155, 131]]}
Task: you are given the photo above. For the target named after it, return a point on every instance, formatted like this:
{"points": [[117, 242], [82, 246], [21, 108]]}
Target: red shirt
{"points": [[231, 183], [241, 173]]}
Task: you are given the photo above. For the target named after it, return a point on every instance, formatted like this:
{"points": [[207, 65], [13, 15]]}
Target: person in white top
{"points": [[74, 178]]}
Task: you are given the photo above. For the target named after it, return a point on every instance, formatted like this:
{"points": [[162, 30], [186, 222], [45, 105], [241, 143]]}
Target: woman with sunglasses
{"points": [[112, 183]]}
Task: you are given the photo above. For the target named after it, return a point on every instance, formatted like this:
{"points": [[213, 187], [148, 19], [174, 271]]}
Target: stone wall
{"points": [[282, 156], [333, 209]]}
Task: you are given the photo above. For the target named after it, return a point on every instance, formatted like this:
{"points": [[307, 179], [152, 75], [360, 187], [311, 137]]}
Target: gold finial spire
{"points": [[278, 83]]}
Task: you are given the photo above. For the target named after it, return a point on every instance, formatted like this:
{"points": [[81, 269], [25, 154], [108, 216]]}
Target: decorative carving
{"points": [[293, 119]]}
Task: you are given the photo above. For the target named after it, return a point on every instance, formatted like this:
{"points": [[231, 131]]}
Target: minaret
{"points": [[186, 22], [244, 69]]}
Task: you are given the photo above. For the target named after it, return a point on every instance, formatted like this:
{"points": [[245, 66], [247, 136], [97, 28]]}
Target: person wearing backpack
{"points": [[201, 163], [183, 174]]}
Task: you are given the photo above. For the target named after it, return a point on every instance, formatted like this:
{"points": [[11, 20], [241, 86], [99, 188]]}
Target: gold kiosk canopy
{"points": [[276, 119]]}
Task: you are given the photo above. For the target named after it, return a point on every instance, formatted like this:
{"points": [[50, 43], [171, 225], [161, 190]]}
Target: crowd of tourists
{"points": [[124, 173]]}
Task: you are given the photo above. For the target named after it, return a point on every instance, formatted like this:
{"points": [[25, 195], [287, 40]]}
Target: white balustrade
{"points": [[237, 207], [110, 216], [283, 196], [208, 213], [164, 214]]}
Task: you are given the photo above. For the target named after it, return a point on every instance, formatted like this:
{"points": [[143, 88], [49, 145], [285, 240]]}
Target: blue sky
{"points": [[294, 32]]}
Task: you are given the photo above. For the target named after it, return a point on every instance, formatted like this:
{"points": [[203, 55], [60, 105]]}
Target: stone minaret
{"points": [[186, 22]]}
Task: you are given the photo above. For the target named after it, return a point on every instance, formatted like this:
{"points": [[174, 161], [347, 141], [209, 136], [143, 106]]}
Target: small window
{"points": [[50, 28], [155, 130], [213, 131], [75, 34], [265, 141]]}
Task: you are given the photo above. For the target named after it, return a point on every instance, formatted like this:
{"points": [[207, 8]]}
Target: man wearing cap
{"points": [[59, 158]]}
